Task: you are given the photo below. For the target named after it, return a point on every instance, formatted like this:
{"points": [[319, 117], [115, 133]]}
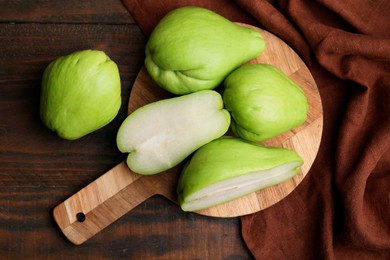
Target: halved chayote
{"points": [[228, 168]]}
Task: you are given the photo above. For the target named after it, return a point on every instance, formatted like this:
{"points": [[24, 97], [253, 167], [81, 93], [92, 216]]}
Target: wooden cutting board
{"points": [[119, 190]]}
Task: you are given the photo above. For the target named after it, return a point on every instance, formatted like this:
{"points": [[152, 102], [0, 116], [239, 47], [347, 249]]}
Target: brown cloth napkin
{"points": [[342, 208]]}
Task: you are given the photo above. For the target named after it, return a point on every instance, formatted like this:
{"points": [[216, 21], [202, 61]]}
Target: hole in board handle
{"points": [[80, 217]]}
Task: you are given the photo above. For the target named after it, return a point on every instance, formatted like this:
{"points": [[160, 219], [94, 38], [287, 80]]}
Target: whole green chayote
{"points": [[263, 101], [193, 49], [80, 93]]}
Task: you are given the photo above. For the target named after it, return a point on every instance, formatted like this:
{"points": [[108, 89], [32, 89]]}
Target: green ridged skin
{"points": [[193, 48], [80, 93], [263, 101], [228, 168]]}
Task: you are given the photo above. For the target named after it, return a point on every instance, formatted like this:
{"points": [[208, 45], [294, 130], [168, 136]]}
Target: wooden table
{"points": [[38, 170]]}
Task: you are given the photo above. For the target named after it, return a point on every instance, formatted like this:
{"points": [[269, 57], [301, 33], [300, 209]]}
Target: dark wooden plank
{"points": [[38, 170], [71, 11], [156, 229], [27, 146]]}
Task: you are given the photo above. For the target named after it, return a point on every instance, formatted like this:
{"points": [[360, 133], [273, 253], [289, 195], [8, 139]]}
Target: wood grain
{"points": [[305, 139], [38, 170], [73, 11], [27, 147], [104, 201]]}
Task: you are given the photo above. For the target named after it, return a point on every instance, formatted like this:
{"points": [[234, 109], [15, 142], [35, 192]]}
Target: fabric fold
{"points": [[341, 209]]}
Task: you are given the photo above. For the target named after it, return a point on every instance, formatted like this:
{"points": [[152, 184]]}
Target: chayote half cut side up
{"points": [[229, 168], [160, 135]]}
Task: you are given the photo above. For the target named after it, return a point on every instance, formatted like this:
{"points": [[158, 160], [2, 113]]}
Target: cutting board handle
{"points": [[105, 200], [119, 190]]}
